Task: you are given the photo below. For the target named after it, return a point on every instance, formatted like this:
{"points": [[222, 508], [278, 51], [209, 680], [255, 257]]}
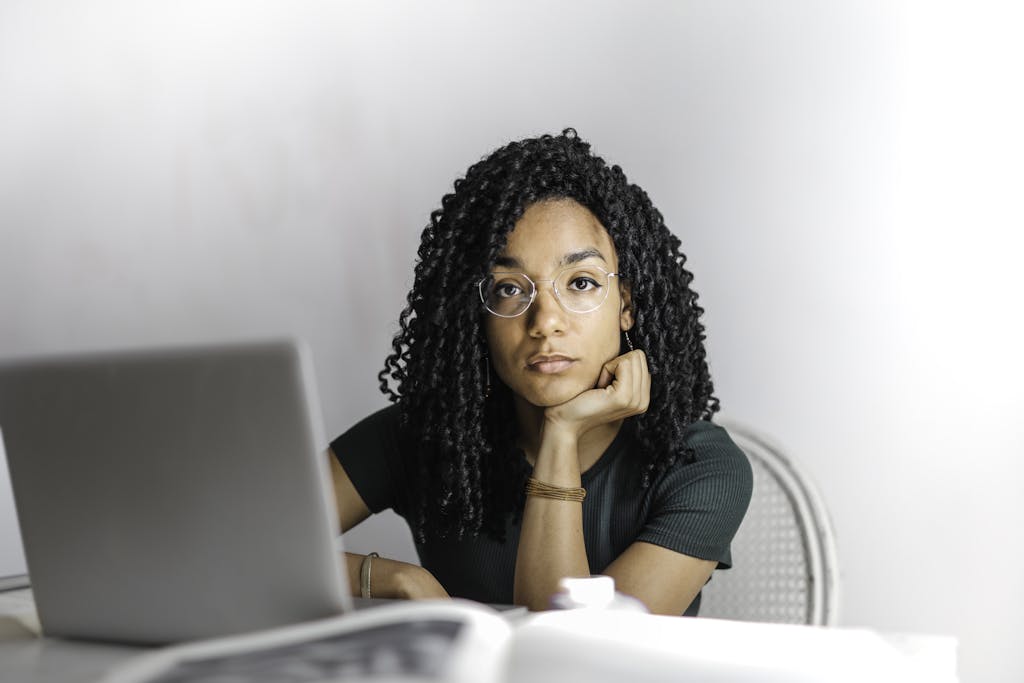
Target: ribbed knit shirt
{"points": [[693, 508]]}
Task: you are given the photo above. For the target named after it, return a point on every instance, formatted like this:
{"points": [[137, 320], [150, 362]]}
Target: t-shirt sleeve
{"points": [[370, 454], [698, 505]]}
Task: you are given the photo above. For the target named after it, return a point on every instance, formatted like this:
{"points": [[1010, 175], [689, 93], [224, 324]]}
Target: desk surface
{"points": [[584, 644], [57, 661], [28, 658]]}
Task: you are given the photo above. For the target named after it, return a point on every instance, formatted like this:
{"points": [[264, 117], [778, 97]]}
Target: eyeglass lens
{"points": [[579, 290]]}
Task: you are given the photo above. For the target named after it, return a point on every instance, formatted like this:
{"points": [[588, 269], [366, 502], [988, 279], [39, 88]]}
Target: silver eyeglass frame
{"points": [[535, 289]]}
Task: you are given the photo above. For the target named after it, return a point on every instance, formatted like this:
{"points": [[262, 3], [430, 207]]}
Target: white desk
{"points": [[57, 661], [598, 646], [27, 658]]}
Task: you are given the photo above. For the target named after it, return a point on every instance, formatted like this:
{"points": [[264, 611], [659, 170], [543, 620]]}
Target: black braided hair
{"points": [[469, 470]]}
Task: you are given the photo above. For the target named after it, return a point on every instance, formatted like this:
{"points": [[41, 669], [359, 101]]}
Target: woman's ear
{"points": [[626, 320]]}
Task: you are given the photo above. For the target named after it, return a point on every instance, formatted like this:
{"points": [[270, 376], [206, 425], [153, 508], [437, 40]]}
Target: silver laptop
{"points": [[174, 494], [13, 573]]}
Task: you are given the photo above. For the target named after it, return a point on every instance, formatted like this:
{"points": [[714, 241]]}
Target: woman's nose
{"points": [[546, 314]]}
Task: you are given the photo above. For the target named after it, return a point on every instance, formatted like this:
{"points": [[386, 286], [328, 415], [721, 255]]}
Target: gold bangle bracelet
{"points": [[535, 487], [364, 575]]}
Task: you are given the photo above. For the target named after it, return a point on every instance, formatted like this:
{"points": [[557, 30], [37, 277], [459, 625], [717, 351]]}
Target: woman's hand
{"points": [[623, 390]]}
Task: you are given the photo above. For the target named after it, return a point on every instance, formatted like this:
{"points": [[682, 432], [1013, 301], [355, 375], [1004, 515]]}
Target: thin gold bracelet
{"points": [[535, 487], [364, 575]]}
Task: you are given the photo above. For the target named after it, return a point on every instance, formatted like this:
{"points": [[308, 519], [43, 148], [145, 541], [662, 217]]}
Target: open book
{"points": [[458, 641]]}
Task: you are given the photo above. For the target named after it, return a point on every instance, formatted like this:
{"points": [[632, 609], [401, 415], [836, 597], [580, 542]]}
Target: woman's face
{"points": [[549, 355]]}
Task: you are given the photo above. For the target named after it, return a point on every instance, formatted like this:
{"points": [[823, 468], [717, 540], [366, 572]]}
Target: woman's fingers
{"points": [[607, 375], [630, 388], [622, 390], [644, 390]]}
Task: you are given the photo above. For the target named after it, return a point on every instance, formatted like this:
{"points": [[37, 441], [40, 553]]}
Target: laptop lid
{"points": [[175, 494], [13, 573]]}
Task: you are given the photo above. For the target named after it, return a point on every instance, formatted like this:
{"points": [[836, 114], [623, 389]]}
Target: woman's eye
{"points": [[507, 290], [583, 284]]}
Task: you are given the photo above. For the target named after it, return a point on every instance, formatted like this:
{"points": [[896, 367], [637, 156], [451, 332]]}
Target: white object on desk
{"points": [[593, 592], [596, 645]]}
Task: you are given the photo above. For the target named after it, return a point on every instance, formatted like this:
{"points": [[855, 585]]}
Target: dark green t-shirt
{"points": [[694, 508]]}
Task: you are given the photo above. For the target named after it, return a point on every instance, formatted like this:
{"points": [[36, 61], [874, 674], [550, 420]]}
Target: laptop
{"points": [[13, 573], [173, 494]]}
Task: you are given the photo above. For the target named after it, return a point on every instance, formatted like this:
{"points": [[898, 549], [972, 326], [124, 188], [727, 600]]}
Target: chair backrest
{"points": [[785, 566]]}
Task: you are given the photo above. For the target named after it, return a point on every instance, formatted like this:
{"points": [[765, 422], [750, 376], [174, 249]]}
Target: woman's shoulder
{"points": [[379, 426], [710, 454], [709, 440], [388, 416]]}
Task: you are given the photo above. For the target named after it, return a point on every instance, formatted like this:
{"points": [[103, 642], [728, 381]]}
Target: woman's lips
{"points": [[552, 366]]}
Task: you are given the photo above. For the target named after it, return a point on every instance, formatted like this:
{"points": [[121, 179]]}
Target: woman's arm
{"points": [[389, 578], [551, 542], [664, 580], [551, 537], [394, 579]]}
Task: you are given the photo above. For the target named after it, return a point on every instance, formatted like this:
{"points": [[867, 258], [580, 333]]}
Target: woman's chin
{"points": [[554, 394]]}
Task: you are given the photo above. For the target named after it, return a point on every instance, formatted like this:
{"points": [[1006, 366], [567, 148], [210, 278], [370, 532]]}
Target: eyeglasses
{"points": [[579, 289]]}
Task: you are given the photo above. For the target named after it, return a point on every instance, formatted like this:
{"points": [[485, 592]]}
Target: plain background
{"points": [[845, 177]]}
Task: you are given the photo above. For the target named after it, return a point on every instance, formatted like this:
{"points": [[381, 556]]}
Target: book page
{"points": [[450, 641]]}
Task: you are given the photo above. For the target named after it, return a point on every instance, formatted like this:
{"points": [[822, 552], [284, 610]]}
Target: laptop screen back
{"points": [[12, 557], [172, 495]]}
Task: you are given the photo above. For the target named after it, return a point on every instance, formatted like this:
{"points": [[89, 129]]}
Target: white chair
{"points": [[785, 566]]}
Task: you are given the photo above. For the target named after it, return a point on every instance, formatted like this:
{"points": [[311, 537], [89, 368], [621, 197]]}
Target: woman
{"points": [[552, 401]]}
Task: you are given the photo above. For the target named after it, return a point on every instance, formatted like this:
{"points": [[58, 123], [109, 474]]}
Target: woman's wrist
{"points": [[558, 438], [559, 429], [558, 458]]}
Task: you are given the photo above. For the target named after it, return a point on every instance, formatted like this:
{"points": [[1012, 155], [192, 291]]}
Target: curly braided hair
{"points": [[469, 469]]}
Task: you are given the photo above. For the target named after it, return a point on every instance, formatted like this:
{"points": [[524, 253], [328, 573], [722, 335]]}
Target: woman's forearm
{"points": [[551, 542], [393, 579]]}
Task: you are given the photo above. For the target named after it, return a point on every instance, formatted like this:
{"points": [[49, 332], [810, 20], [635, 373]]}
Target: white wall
{"points": [[845, 178]]}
